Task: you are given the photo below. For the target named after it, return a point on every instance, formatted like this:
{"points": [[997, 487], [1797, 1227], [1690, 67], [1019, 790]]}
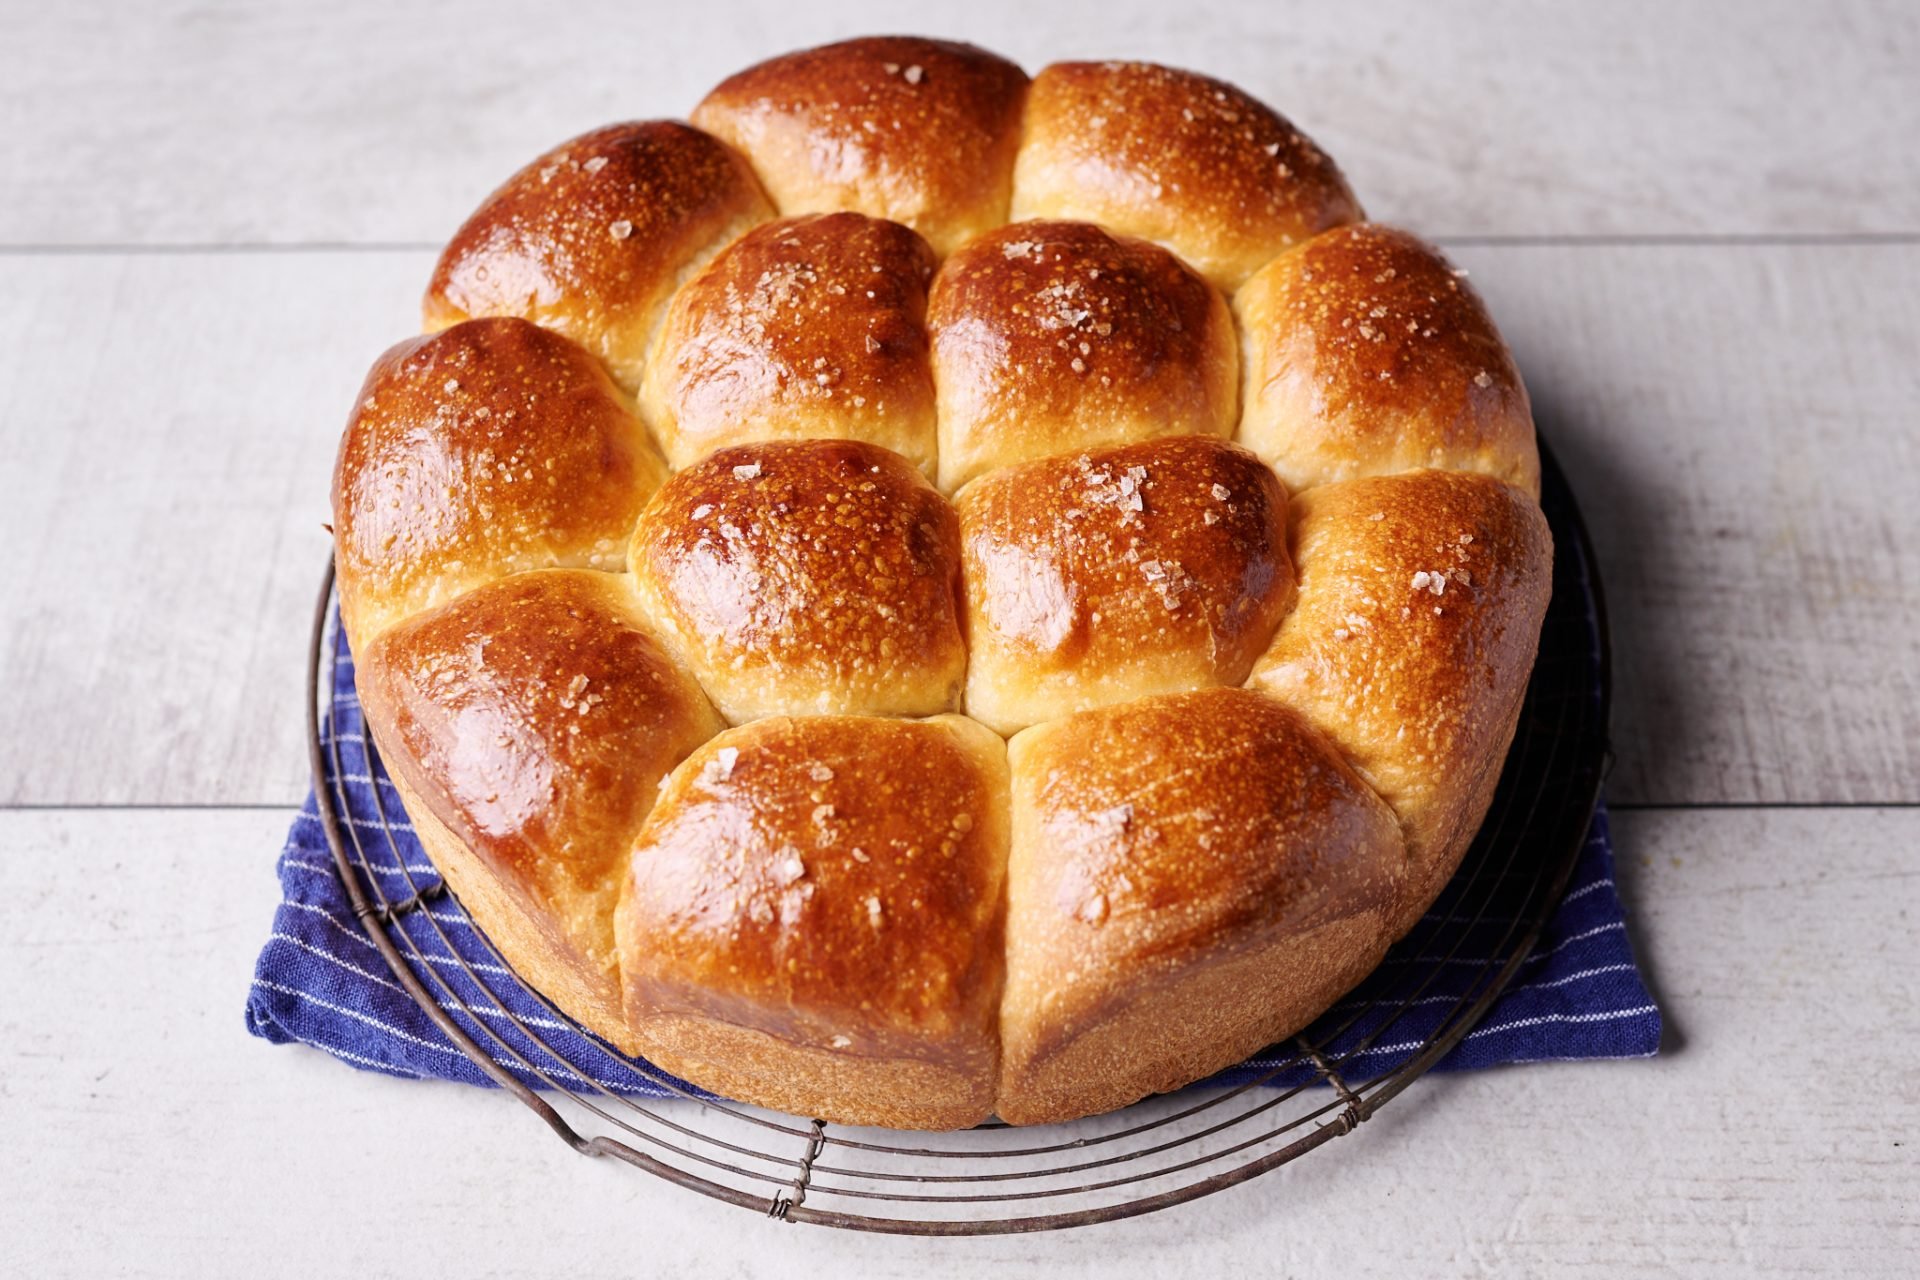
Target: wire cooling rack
{"points": [[995, 1178]]}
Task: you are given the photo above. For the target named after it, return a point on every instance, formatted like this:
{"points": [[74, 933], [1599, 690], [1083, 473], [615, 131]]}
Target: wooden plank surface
{"points": [[1774, 1136], [363, 120], [1740, 419]]}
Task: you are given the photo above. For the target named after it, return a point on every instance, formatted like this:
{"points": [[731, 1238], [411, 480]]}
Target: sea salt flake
{"points": [[746, 471], [720, 768], [620, 229]]}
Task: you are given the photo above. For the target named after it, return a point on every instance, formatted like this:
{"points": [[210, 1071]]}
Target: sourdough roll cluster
{"points": [[926, 594]]}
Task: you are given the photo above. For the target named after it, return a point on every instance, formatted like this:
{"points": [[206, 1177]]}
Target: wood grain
{"points": [[363, 121], [1738, 1152], [1740, 421]]}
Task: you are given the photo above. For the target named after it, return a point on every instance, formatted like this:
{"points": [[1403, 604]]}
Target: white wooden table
{"points": [[1699, 224]]}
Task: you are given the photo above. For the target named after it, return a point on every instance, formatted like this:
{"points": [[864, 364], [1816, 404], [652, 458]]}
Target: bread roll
{"points": [[813, 919], [1177, 158], [1192, 877], [810, 326], [807, 577], [916, 131], [1367, 352], [589, 239], [1117, 573], [530, 724], [488, 448], [1054, 336], [1421, 598]]}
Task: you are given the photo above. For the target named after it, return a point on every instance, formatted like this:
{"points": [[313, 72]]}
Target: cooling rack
{"points": [[994, 1178]]}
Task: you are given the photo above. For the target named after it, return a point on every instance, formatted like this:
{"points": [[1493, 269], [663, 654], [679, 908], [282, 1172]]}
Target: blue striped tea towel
{"points": [[320, 980]]}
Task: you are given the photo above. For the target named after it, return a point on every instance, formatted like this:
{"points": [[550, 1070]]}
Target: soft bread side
{"points": [[812, 919], [1192, 877], [1421, 598]]}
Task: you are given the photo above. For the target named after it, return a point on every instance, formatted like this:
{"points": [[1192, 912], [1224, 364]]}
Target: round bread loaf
{"points": [[924, 595]]}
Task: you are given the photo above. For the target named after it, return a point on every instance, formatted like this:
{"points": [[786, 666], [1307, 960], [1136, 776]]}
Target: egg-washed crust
{"points": [[536, 717], [1171, 859], [921, 132], [1421, 599], [1112, 574], [1054, 336], [1366, 351], [591, 238], [804, 576], [1178, 158], [489, 448], [1236, 533], [808, 326], [833, 884]]}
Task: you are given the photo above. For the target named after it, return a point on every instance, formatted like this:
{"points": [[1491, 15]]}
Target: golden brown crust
{"points": [[913, 130], [1054, 336], [807, 576], [592, 237], [485, 449], [536, 719], [823, 897], [1215, 813], [810, 326], [1192, 877], [1178, 158], [1420, 602], [1367, 352], [1143, 569]]}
